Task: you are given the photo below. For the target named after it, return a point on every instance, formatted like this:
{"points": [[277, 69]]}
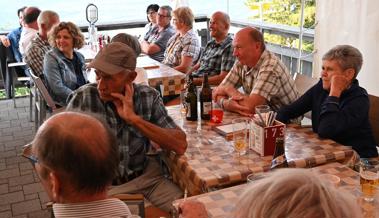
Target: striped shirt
{"points": [[178, 46], [133, 145], [35, 53], [216, 57], [269, 79], [110, 207]]}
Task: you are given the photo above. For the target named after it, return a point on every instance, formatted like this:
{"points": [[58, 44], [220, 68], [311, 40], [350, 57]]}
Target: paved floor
{"points": [[21, 195]]}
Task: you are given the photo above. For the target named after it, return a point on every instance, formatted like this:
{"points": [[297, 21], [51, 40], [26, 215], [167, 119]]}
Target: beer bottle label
{"points": [[207, 107]]}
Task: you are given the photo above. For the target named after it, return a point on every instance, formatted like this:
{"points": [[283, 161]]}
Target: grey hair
{"points": [[168, 9], [295, 193], [45, 17], [347, 57]]}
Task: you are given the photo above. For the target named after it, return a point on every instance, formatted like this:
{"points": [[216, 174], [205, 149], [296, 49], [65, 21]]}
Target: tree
{"points": [[286, 12]]}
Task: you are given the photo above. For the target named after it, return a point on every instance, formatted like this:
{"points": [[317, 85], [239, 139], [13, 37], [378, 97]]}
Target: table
{"points": [[221, 203], [162, 77], [208, 163], [166, 79]]}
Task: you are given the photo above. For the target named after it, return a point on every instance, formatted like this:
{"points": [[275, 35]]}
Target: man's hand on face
{"points": [[338, 84], [124, 104], [5, 41]]}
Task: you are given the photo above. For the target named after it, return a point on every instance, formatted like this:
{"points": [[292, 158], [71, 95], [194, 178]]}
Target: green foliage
{"points": [[20, 92], [285, 12]]}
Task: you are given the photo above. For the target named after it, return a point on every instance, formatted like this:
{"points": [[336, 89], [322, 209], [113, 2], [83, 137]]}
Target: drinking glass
{"points": [[240, 134], [369, 177], [262, 109]]}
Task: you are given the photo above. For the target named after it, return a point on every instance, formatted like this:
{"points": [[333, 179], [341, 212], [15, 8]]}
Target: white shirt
{"points": [[110, 207], [26, 37]]}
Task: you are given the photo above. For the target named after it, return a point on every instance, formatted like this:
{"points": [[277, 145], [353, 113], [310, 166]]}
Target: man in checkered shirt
{"points": [[217, 58], [39, 46], [262, 76], [137, 116]]}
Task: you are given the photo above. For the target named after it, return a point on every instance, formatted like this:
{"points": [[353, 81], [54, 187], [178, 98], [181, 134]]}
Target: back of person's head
{"points": [[129, 40], [72, 29], [184, 15], [295, 193], [347, 57], [80, 149], [31, 14], [47, 18]]}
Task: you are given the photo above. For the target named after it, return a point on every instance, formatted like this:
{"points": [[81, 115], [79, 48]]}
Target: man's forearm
{"points": [[170, 139]]}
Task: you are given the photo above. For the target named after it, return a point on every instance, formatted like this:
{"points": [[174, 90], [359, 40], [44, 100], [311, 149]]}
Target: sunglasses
{"points": [[27, 153]]}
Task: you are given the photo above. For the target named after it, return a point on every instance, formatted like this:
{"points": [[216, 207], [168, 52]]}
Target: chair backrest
{"points": [[43, 91], [374, 116], [303, 82]]}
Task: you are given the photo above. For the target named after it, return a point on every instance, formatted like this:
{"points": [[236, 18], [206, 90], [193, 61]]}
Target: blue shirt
{"points": [[343, 119], [14, 38]]}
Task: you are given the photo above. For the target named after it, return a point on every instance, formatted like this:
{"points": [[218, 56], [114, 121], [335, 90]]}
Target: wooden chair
{"points": [[43, 101], [374, 116]]}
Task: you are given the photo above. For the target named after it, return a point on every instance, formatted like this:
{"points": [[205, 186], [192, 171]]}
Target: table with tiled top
{"points": [[209, 163], [168, 80], [221, 203], [162, 77]]}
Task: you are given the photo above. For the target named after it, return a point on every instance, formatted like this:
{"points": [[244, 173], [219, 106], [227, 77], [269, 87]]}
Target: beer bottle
{"points": [[205, 99], [279, 159], [191, 100]]}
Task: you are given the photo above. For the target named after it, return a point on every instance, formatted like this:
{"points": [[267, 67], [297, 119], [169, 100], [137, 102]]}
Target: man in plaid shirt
{"points": [[263, 77], [137, 116], [217, 58], [39, 46]]}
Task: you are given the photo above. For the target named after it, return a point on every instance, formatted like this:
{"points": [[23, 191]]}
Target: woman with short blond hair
{"points": [[64, 68], [183, 48]]}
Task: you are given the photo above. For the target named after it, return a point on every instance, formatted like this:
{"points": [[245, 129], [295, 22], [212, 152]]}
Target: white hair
{"points": [[45, 17], [295, 193]]}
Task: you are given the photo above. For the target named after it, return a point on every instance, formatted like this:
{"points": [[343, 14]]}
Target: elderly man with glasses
{"points": [[76, 167], [154, 43]]}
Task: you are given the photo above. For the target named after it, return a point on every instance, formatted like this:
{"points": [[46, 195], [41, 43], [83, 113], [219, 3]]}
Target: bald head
{"points": [[79, 147], [219, 25], [31, 14], [254, 35], [222, 16]]}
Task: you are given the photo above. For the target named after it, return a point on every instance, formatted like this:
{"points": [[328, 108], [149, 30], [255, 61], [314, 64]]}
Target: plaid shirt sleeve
{"points": [[233, 78], [191, 47], [34, 58], [227, 59]]}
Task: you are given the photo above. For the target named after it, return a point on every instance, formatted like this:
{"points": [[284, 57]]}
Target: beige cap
{"points": [[114, 58]]}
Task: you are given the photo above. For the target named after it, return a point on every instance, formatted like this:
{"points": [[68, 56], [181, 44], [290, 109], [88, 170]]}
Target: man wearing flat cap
{"points": [[137, 115]]}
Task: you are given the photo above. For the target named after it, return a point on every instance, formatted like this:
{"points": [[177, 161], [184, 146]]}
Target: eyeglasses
{"points": [[161, 15], [27, 153]]}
